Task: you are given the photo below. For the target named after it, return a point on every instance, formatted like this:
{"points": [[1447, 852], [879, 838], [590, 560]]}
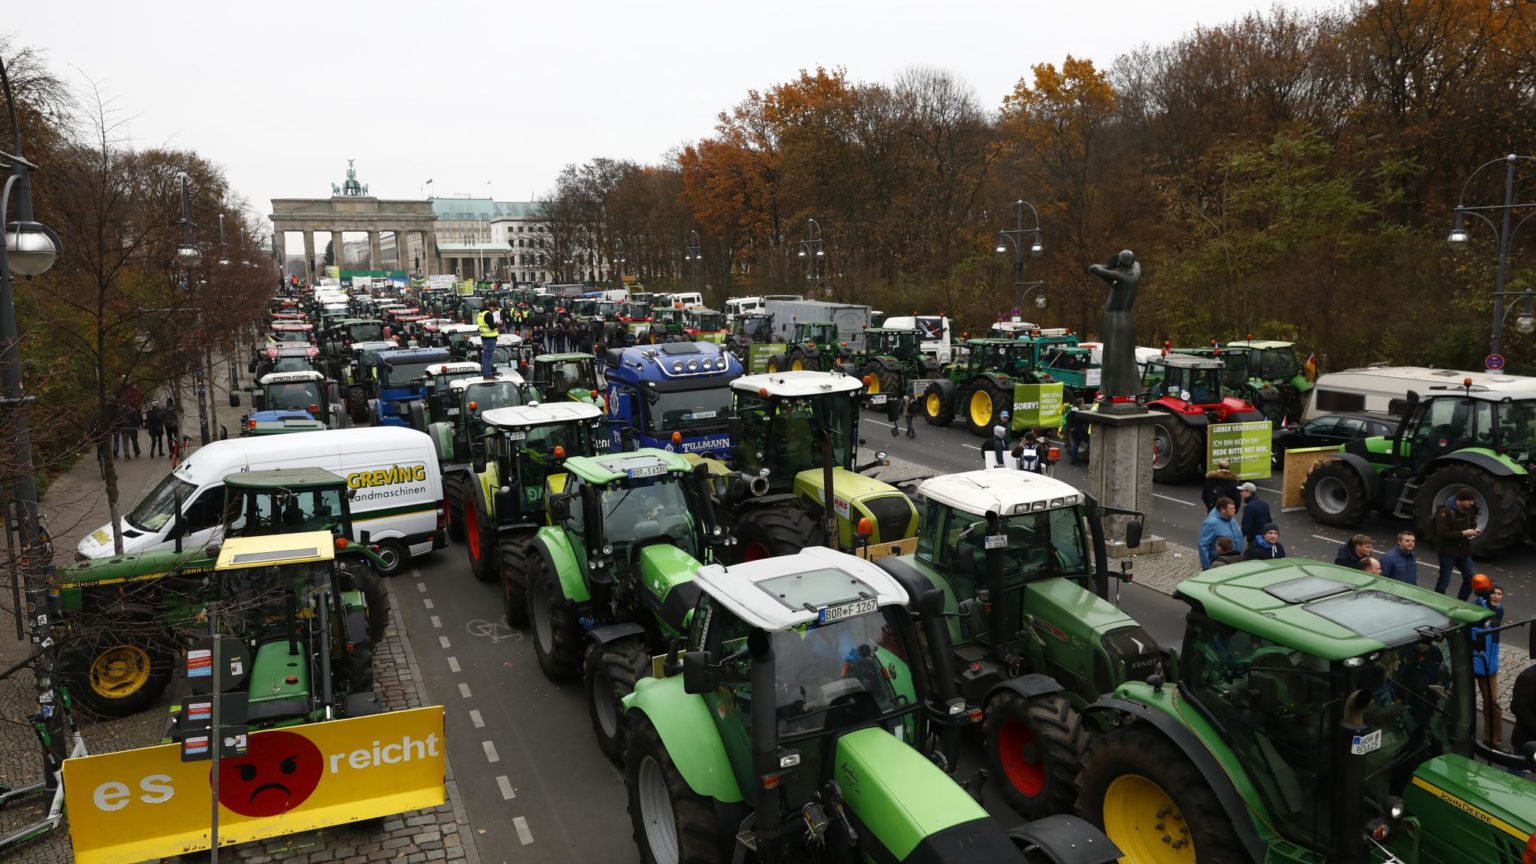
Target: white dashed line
{"points": [[436, 622], [453, 663], [1175, 500], [506, 788], [475, 718], [421, 587], [524, 836], [1329, 539], [427, 602], [443, 641], [464, 690], [490, 751]]}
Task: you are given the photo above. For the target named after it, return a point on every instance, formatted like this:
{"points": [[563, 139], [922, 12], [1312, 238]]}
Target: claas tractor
{"points": [[799, 726], [978, 390], [1186, 395], [308, 392], [570, 376], [1313, 714]]}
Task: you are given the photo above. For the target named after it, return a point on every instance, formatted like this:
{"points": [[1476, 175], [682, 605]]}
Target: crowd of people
{"points": [[161, 422]]}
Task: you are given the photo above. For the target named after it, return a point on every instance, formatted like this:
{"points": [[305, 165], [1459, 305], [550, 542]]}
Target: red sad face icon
{"points": [[278, 772]]}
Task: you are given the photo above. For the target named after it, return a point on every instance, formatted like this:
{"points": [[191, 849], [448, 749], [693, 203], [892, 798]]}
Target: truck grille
{"points": [[892, 515]]}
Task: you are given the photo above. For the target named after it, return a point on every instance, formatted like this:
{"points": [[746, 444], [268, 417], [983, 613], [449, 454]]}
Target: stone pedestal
{"points": [[1120, 471]]}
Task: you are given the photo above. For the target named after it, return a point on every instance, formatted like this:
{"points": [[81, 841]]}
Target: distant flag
{"points": [[1312, 367]]}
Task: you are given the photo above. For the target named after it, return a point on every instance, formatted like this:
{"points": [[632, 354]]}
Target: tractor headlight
{"points": [[693, 365], [607, 548], [1395, 808], [1184, 394]]}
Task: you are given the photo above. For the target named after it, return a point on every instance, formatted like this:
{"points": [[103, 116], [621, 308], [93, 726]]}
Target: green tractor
{"points": [[1276, 384], [1317, 714], [814, 346], [567, 376], [752, 341], [454, 417], [1467, 437], [609, 578], [1021, 561], [796, 437], [666, 325], [891, 358], [799, 730], [980, 388], [514, 467], [125, 618]]}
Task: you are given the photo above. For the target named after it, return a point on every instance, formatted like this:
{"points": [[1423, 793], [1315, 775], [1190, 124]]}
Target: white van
{"points": [[397, 490], [1375, 389]]}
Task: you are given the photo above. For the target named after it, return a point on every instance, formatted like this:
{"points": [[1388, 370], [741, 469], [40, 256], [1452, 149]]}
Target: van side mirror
{"points": [[697, 679], [1132, 534], [477, 457]]}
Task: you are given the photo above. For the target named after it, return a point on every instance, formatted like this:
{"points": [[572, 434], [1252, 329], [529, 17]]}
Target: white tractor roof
{"points": [[290, 377], [450, 368], [1003, 492], [778, 593], [503, 339], [459, 384], [798, 384], [541, 414]]}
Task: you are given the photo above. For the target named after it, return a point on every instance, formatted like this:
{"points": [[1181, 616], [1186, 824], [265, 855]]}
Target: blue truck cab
{"points": [[400, 376], [672, 396]]}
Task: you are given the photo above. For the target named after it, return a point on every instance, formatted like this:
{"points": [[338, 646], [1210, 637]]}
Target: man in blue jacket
{"points": [[1399, 563], [1255, 512], [1220, 522]]}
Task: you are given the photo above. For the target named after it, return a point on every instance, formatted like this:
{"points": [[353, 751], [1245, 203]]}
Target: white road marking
{"points": [[878, 423], [475, 718], [443, 641], [427, 602], [464, 690], [422, 587], [1329, 539], [1175, 500], [524, 836], [506, 788], [436, 622], [453, 663], [1267, 489], [490, 751]]}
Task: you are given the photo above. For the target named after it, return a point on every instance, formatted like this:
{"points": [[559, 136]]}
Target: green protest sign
{"points": [[1246, 446], [1037, 406]]}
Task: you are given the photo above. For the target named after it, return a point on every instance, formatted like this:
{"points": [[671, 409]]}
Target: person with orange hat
{"points": [[1485, 657]]}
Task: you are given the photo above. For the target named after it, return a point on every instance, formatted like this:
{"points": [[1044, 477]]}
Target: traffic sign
{"points": [[1494, 363]]}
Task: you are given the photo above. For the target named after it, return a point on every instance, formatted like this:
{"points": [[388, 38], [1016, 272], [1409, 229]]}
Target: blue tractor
{"points": [[399, 378], [673, 396]]}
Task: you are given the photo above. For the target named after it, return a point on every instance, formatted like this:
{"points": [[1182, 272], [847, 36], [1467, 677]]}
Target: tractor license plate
{"points": [[517, 436], [648, 470], [995, 541], [877, 399], [1363, 744], [832, 614], [702, 415]]}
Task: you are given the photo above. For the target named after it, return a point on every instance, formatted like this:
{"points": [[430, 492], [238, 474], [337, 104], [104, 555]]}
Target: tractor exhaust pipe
{"points": [[997, 615], [758, 486]]}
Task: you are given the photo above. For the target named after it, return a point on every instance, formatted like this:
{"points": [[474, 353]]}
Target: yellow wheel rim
{"points": [[981, 408], [120, 671], [874, 384], [1143, 821], [795, 365], [933, 404], [773, 366]]}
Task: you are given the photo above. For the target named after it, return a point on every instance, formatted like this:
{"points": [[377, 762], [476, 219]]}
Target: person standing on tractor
{"points": [[1455, 526], [1400, 563], [489, 331], [1485, 658]]}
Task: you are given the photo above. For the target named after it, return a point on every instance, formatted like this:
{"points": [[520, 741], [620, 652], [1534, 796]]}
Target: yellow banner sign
{"points": [[142, 804]]}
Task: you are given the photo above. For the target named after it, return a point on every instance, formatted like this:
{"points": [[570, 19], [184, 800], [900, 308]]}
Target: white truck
{"points": [[937, 339], [850, 319]]}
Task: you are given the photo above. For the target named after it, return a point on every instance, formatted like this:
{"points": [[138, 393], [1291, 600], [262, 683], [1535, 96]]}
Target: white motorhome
{"points": [[742, 305], [1376, 388], [936, 340], [396, 491]]}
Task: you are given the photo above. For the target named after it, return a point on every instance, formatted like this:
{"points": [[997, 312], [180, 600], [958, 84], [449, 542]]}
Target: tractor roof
{"points": [[1188, 361], [645, 462], [789, 385], [1323, 609], [375, 346], [281, 422], [506, 377], [453, 368], [1260, 344], [791, 590], [291, 350], [290, 377], [283, 478], [1004, 492], [561, 358], [414, 355], [239, 553], [503, 340], [1009, 343], [543, 414]]}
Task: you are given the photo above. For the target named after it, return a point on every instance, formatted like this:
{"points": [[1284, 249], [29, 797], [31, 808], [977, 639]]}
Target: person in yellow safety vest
{"points": [[489, 330]]}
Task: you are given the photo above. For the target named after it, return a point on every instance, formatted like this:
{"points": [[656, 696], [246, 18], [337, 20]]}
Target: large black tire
{"points": [[768, 532], [356, 668], [799, 360], [1335, 494], [981, 405], [357, 406], [883, 382], [479, 539], [939, 403], [1035, 747], [610, 674], [118, 671], [393, 557], [418, 415], [776, 363], [453, 505], [556, 632], [1179, 449], [1501, 505], [1140, 775], [516, 556], [663, 810], [357, 576]]}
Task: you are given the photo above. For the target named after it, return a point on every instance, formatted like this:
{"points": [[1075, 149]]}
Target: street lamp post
{"points": [[1526, 321], [618, 270], [812, 249], [188, 256], [694, 256], [1015, 236]]}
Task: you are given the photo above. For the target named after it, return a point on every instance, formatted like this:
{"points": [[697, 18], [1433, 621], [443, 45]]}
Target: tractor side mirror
{"points": [[560, 507], [697, 677], [234, 399], [477, 457], [931, 603], [1132, 535]]}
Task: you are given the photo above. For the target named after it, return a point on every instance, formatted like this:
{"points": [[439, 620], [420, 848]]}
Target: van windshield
{"points": [[159, 506]]}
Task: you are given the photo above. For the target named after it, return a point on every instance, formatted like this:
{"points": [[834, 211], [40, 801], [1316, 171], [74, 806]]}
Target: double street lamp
{"points": [[1015, 236], [1525, 322], [813, 249], [188, 257], [694, 256]]}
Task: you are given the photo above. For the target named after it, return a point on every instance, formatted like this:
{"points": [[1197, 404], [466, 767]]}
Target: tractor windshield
{"points": [[682, 410], [608, 309], [402, 374], [783, 434], [821, 334], [499, 394], [292, 364], [1517, 427], [708, 321], [1199, 386], [837, 676], [757, 329], [371, 331], [636, 310], [298, 337], [1277, 363], [1041, 545], [647, 511], [293, 396], [566, 375], [255, 512]]}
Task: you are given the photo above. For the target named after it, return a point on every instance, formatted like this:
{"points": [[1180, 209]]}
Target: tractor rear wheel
{"points": [[939, 403], [883, 382], [1501, 505], [610, 673], [357, 406], [453, 505], [1177, 449], [1335, 494], [479, 538], [672, 823], [515, 558], [1034, 747], [119, 671], [799, 360], [767, 532], [556, 633], [1152, 802], [982, 406]]}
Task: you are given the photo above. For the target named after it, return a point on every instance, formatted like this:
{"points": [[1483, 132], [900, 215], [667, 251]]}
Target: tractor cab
{"points": [[297, 391], [1004, 356], [1196, 381], [782, 418], [901, 344], [528, 445], [470, 398], [622, 502], [704, 325], [286, 501], [753, 327], [566, 376], [399, 377], [635, 311], [1502, 426], [821, 335], [438, 380], [1274, 380]]}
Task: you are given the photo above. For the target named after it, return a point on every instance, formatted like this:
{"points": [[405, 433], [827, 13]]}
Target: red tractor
{"points": [[1186, 391]]}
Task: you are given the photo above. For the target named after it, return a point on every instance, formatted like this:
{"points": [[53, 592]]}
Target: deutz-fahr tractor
{"points": [[801, 729], [1185, 393], [514, 468], [573, 376], [796, 436], [1317, 714], [457, 419], [815, 346], [1020, 559], [979, 389], [609, 579], [1463, 438], [891, 358], [126, 617]]}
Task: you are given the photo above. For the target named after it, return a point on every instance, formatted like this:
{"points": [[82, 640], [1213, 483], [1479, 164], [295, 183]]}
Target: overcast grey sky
{"points": [[283, 93]]}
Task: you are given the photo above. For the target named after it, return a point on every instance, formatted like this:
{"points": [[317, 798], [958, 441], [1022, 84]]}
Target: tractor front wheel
{"points": [[1335, 494], [983, 405], [357, 576], [516, 553], [1501, 505], [799, 361], [1034, 746], [119, 672], [1152, 802], [672, 823], [768, 532], [479, 538], [939, 403], [1177, 449], [611, 672], [556, 633]]}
